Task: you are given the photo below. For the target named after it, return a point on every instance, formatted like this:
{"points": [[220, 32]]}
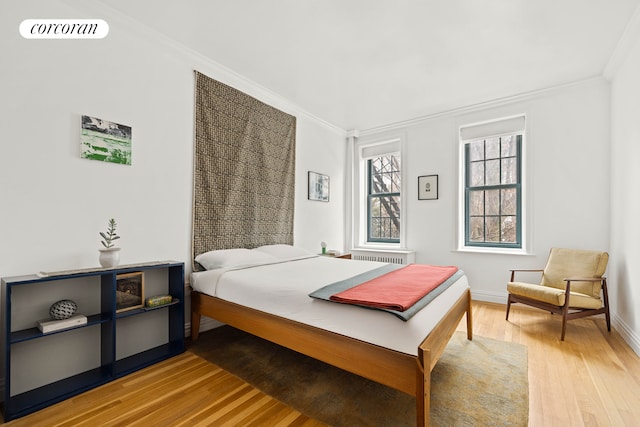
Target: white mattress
{"points": [[282, 289]]}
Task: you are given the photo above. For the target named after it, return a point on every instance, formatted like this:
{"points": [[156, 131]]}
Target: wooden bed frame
{"points": [[407, 373]]}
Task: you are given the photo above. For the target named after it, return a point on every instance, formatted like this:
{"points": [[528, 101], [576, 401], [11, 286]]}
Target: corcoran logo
{"points": [[64, 29]]}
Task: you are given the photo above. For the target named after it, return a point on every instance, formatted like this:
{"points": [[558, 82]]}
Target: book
{"points": [[49, 325]]}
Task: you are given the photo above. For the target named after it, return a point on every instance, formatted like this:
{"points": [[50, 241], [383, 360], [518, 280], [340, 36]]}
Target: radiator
{"points": [[391, 257]]}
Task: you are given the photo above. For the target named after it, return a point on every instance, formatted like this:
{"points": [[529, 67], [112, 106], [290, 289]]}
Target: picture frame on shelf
{"points": [[129, 291], [428, 187], [318, 187]]}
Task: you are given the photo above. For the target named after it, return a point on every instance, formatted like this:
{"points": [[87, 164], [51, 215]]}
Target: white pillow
{"points": [[284, 251], [232, 258]]}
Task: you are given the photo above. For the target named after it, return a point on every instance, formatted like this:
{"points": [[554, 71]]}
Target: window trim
{"points": [[360, 194]]}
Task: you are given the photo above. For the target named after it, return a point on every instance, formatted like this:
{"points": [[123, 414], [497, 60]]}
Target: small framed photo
{"points": [[318, 187], [428, 187], [129, 291]]}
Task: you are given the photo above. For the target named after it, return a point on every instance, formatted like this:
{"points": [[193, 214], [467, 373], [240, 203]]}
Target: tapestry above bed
{"points": [[244, 170]]}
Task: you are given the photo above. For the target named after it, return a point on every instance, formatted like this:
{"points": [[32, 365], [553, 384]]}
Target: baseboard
{"points": [[626, 333], [487, 296]]}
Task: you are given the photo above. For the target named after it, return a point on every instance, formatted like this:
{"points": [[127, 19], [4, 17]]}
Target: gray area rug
{"points": [[476, 383]]}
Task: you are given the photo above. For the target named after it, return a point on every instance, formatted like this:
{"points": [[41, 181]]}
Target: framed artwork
{"points": [[129, 291], [318, 187], [105, 141], [428, 187]]}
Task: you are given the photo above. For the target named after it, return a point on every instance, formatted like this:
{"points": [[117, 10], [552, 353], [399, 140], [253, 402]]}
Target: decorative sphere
{"points": [[63, 309]]}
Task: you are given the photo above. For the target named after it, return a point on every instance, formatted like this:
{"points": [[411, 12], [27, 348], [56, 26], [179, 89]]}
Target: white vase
{"points": [[109, 257]]}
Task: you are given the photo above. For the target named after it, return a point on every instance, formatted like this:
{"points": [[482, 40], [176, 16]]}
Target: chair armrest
{"points": [[525, 270], [585, 279]]}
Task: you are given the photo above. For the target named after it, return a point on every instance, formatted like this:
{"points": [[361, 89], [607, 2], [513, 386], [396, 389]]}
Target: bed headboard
{"points": [[244, 170]]}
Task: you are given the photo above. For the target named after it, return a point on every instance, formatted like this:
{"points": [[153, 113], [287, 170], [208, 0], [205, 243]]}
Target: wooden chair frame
{"points": [[566, 311]]}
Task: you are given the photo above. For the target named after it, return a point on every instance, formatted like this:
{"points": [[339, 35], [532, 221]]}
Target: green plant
{"points": [[111, 235]]}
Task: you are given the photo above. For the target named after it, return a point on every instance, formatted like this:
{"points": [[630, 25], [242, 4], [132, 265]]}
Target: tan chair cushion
{"points": [[575, 263], [553, 295]]}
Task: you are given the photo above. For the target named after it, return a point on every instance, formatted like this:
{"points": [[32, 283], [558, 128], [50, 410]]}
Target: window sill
{"points": [[497, 251], [379, 248]]}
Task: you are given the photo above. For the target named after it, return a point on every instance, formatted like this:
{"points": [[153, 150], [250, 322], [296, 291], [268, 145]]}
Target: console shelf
{"points": [[40, 369]]}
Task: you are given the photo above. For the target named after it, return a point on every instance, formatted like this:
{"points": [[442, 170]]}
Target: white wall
{"points": [[567, 152], [624, 269], [53, 203]]}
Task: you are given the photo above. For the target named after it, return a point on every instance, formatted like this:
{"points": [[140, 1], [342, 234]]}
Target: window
{"points": [[383, 201], [492, 193], [492, 190]]}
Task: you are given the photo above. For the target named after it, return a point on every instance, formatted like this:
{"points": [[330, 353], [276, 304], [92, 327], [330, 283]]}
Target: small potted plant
{"points": [[109, 254]]}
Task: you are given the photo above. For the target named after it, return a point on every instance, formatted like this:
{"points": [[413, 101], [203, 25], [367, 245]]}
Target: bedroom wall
{"points": [[54, 203], [567, 172], [624, 268]]}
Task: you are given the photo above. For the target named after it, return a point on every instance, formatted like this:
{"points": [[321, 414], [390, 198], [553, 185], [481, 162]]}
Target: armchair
{"points": [[571, 285]]}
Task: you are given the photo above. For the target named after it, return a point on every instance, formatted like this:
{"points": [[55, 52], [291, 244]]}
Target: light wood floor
{"points": [[590, 379]]}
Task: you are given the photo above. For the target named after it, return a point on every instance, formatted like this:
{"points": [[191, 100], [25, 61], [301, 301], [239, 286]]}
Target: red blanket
{"points": [[399, 289]]}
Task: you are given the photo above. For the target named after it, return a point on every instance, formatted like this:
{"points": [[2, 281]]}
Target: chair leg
{"points": [[605, 295], [508, 306], [565, 311]]}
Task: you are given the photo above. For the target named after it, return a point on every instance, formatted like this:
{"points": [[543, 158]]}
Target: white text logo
{"points": [[64, 29]]}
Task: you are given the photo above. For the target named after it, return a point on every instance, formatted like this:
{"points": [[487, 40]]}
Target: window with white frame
{"points": [[380, 193], [492, 185]]}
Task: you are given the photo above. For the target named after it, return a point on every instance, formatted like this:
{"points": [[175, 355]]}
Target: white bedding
{"points": [[282, 289]]}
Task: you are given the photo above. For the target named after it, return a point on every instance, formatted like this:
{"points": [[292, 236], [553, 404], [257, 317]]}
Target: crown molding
{"points": [[629, 38], [196, 59], [525, 96]]}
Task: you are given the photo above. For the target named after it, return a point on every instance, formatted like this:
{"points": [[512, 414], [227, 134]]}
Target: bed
{"points": [[269, 298]]}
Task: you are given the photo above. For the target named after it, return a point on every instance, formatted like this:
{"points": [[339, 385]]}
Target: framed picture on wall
{"points": [[428, 187], [105, 141], [129, 291], [318, 187]]}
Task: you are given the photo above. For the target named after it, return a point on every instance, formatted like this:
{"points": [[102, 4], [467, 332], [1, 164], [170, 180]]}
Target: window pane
{"points": [[509, 171], [493, 202], [476, 150], [385, 174], [492, 231], [508, 229], [384, 217], [476, 229], [476, 174], [493, 172], [374, 207], [493, 148], [508, 147], [509, 202], [476, 203], [375, 228]]}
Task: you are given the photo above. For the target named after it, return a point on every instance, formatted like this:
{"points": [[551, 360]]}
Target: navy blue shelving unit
{"points": [[16, 405]]}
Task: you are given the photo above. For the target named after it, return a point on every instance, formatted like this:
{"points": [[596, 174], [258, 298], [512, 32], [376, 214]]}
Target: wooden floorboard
{"points": [[590, 379]]}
